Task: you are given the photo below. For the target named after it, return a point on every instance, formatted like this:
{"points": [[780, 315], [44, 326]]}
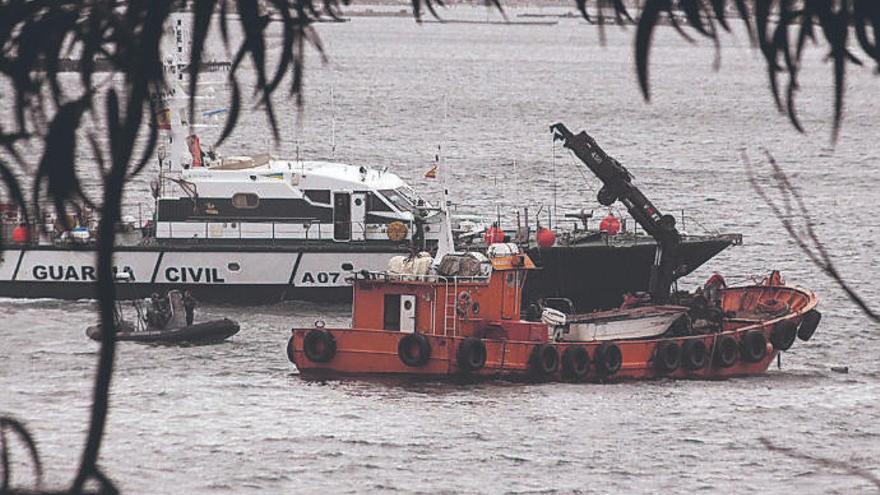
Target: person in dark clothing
{"points": [[152, 317], [189, 305]]}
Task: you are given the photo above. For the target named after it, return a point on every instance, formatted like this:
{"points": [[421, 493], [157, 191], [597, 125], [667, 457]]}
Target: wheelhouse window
{"points": [[318, 195], [375, 203], [403, 197], [245, 200]]}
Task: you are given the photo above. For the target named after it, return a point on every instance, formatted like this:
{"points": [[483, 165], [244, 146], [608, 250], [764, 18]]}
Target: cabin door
{"points": [[358, 216], [342, 216], [408, 314], [399, 313]]}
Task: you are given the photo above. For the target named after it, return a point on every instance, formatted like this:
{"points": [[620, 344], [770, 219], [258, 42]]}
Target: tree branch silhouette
{"points": [[11, 425], [821, 461], [792, 210]]}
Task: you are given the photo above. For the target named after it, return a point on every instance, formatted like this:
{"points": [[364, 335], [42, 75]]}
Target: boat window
{"points": [[318, 195], [375, 203], [391, 312], [409, 193], [245, 200], [398, 198]]}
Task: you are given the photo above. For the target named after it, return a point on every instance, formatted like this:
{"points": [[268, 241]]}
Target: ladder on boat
{"points": [[450, 307]]}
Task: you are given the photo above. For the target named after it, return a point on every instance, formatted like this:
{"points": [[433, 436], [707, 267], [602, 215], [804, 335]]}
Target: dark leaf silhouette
{"points": [[57, 164], [11, 425], [771, 22]]}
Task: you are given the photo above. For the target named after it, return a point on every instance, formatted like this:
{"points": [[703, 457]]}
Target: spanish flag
{"points": [[431, 174]]}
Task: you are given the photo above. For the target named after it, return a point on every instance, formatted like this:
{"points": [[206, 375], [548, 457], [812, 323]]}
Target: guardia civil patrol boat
{"points": [[240, 229], [256, 230]]}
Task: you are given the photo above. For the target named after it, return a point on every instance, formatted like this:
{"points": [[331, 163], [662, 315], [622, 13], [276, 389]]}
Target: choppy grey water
{"points": [[236, 417]]}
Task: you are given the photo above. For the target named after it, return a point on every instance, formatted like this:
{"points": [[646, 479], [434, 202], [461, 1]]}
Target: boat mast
{"points": [[332, 123], [553, 213], [445, 244]]}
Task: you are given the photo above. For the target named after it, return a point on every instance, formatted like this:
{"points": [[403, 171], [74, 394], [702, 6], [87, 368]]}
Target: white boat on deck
{"points": [[620, 324]]}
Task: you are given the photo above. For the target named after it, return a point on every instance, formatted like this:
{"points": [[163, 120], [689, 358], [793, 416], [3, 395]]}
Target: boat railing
{"points": [[557, 220], [310, 229], [431, 278]]}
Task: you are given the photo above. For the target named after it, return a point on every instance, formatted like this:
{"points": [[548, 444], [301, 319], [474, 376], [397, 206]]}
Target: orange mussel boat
{"points": [[463, 318], [453, 325]]}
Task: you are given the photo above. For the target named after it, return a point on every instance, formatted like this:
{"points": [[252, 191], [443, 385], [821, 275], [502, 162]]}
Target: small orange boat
{"points": [[450, 325]]}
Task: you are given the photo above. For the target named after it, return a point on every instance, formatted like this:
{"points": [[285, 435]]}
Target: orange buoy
{"points": [[493, 234], [610, 225], [195, 149], [21, 234], [545, 237]]}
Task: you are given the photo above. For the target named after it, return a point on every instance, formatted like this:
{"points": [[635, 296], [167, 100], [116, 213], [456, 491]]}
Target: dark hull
{"points": [[209, 331], [596, 276]]}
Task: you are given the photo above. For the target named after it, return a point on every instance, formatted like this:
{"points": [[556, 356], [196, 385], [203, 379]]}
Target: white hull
{"points": [[640, 323], [71, 273]]}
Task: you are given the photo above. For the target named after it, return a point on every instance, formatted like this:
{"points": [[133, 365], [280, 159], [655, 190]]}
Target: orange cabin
{"points": [[449, 306]]}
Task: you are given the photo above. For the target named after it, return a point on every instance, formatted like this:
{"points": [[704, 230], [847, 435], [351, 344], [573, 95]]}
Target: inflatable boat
{"points": [[168, 327], [209, 331]]}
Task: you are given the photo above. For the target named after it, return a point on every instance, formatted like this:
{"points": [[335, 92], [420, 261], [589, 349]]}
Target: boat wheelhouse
{"points": [[260, 199]]}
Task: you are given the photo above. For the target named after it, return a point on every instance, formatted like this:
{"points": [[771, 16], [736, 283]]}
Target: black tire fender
{"points": [[544, 360], [319, 346], [694, 354], [290, 350], [667, 356], [575, 363], [783, 335], [753, 346], [608, 358], [809, 324], [726, 351], [471, 354], [414, 350]]}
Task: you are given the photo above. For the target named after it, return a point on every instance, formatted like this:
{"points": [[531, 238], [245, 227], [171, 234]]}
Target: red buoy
{"points": [[545, 237], [493, 235], [716, 280], [21, 234], [610, 225]]}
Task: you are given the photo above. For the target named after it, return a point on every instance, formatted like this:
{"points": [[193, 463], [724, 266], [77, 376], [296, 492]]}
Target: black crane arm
{"points": [[617, 185]]}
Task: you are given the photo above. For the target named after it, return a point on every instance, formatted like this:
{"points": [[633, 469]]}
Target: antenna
{"points": [[332, 123], [516, 179], [553, 214], [443, 140]]}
